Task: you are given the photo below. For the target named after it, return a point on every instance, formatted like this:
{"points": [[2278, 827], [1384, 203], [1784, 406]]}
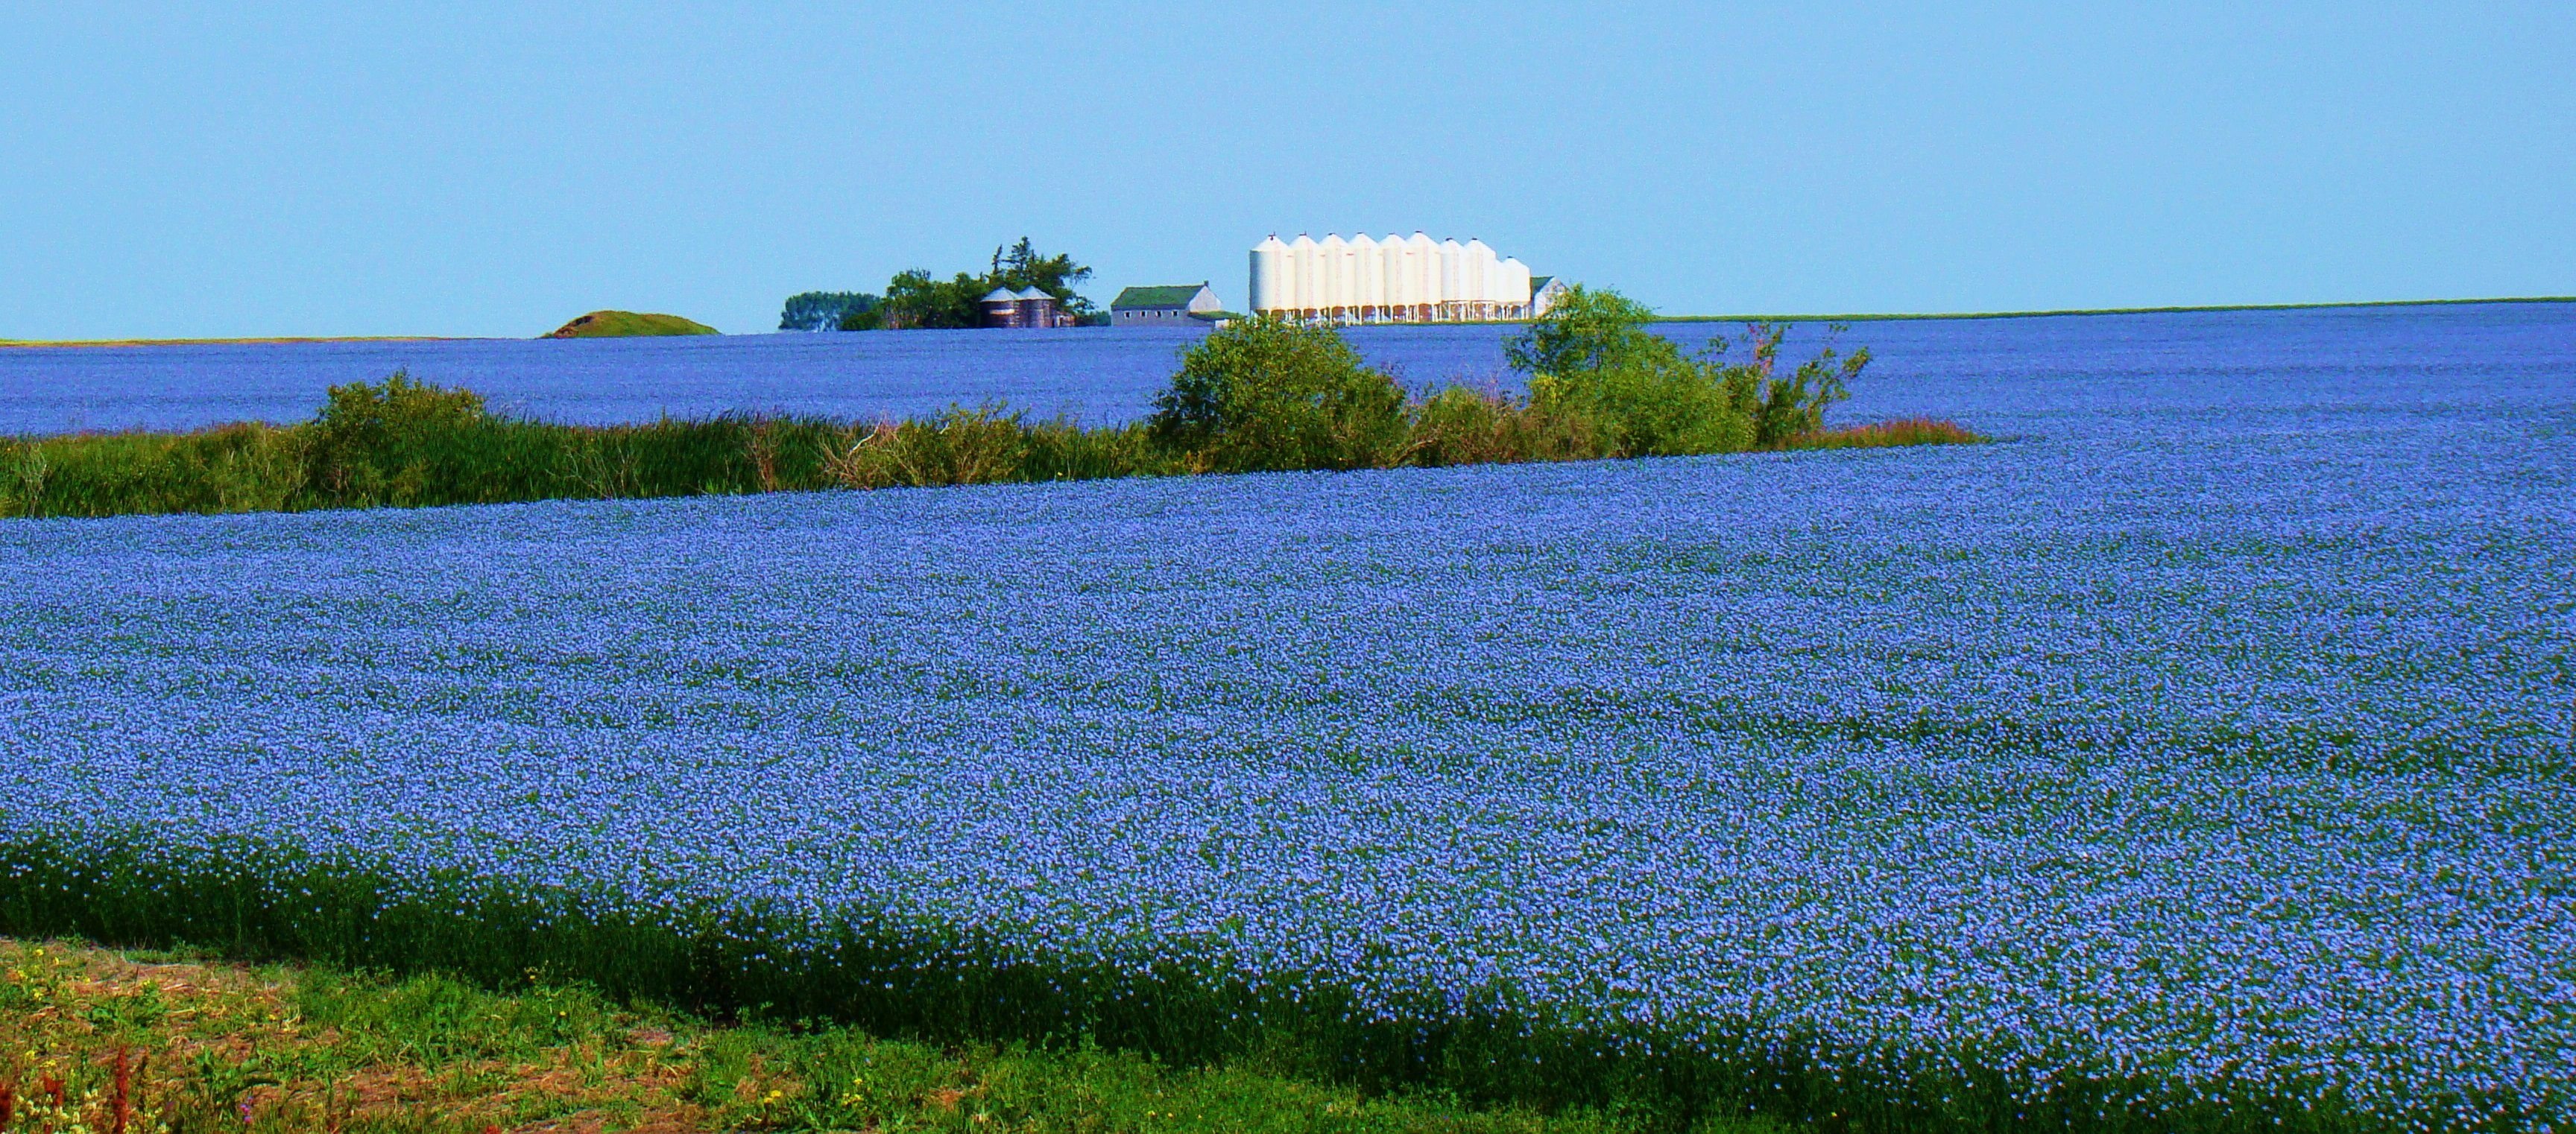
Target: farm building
{"points": [[1164, 305], [1027, 307], [1544, 291], [1397, 280]]}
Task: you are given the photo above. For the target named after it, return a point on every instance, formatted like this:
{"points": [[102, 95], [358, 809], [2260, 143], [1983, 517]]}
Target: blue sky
{"points": [[494, 170]]}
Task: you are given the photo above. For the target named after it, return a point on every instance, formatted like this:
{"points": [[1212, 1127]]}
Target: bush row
{"points": [[1259, 395]]}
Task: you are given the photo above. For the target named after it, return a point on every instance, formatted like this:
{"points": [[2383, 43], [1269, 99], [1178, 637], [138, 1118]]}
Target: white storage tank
{"points": [[1269, 269], [1398, 286], [1368, 263], [1399, 278], [1301, 268], [1332, 291], [1425, 254], [1345, 279], [1476, 279], [1453, 277]]}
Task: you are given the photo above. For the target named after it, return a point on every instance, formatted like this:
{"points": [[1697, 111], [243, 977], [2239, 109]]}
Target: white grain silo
{"points": [[1453, 278], [1398, 288], [1476, 279], [1369, 263], [1332, 254], [1424, 264], [1398, 279], [1269, 273], [1301, 261], [1352, 292]]}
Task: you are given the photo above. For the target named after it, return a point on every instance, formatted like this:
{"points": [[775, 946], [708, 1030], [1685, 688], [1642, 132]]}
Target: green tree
{"points": [[1022, 266], [826, 310], [1595, 355], [917, 300], [1267, 394], [1782, 407]]}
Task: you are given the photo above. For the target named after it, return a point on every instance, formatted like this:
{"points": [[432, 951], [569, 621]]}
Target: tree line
{"points": [[916, 299]]}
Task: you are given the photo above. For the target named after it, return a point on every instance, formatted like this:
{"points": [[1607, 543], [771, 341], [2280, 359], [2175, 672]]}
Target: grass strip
{"points": [[955, 988], [180, 1040]]}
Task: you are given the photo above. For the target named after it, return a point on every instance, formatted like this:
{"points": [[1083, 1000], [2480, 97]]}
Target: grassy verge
{"points": [[1458, 1057], [102, 1040], [253, 467]]}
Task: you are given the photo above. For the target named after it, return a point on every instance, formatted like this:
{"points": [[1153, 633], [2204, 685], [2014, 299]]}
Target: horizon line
{"points": [[2170, 309], [1853, 317]]}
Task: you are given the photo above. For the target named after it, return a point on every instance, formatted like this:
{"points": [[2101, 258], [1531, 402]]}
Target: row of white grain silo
{"points": [[1396, 280]]}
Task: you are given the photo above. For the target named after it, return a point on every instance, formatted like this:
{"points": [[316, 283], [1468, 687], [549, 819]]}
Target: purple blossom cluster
{"points": [[2208, 732]]}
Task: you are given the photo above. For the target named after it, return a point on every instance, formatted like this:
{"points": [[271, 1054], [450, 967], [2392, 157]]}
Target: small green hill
{"points": [[626, 324]]}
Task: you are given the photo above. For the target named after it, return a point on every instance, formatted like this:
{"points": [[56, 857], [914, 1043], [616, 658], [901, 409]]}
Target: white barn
{"points": [[1167, 305]]}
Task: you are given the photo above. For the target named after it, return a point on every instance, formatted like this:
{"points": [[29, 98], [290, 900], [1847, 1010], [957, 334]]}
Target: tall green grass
{"points": [[400, 443], [1260, 395], [901, 977]]}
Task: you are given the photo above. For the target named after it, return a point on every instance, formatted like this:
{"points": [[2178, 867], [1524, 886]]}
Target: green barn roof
{"points": [[1171, 295]]}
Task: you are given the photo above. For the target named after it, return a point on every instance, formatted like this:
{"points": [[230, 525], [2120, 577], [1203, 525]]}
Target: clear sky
{"points": [[495, 169]]}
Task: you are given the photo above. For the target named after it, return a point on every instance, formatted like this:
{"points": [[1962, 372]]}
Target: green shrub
{"points": [[1264, 394], [1063, 450], [380, 444], [984, 445], [1783, 408], [1594, 357], [1456, 425]]}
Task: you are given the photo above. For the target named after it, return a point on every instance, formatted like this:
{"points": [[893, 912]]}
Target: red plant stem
{"points": [[116, 1099]]}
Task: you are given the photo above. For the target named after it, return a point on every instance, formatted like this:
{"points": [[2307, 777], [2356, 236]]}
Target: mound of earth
{"points": [[624, 324]]}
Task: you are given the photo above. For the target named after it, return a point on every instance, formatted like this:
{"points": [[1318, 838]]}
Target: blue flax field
{"points": [[2200, 756]]}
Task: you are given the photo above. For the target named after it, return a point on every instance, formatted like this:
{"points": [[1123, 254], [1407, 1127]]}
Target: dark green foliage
{"points": [[1595, 358], [1022, 266], [384, 442], [1588, 329], [1259, 395], [962, 446], [1786, 408], [1266, 395], [407, 444], [1455, 425], [916, 299], [828, 311]]}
